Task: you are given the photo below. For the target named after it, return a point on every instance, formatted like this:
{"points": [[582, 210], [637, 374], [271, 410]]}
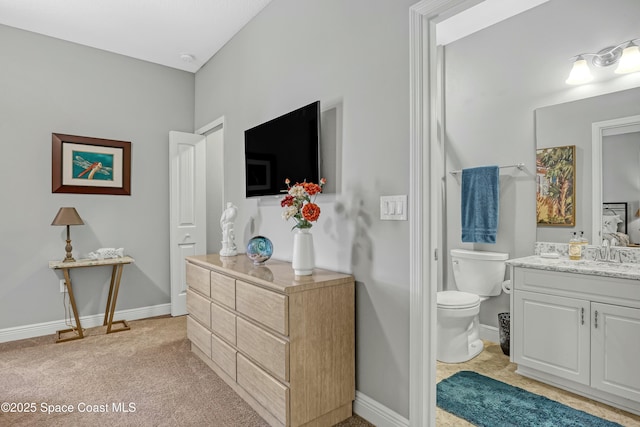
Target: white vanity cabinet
{"points": [[579, 332], [553, 334], [615, 350]]}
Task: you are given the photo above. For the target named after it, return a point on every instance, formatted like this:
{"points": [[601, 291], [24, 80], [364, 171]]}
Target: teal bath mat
{"points": [[486, 402]]}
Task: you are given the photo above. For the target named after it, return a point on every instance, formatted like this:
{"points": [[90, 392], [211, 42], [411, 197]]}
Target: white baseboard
{"points": [[489, 333], [46, 328], [381, 416], [376, 413]]}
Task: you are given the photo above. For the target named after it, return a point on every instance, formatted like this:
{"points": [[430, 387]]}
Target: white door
{"points": [[188, 200], [615, 343]]}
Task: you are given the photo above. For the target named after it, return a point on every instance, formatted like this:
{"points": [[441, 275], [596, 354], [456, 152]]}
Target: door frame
{"points": [[205, 131], [176, 260], [425, 178], [216, 125], [219, 122]]}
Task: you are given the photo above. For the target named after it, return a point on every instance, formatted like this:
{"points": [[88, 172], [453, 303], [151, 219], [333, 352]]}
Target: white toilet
{"points": [[478, 276]]}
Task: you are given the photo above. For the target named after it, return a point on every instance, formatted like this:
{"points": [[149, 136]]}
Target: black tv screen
{"points": [[285, 147]]}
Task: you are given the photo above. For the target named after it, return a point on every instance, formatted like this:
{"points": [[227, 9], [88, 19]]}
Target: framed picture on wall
{"points": [[87, 165], [555, 186]]}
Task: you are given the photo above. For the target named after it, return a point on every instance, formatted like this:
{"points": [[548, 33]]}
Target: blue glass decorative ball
{"points": [[259, 249]]}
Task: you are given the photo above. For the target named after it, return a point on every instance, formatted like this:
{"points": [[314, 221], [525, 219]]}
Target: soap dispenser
{"points": [[575, 248], [583, 244]]}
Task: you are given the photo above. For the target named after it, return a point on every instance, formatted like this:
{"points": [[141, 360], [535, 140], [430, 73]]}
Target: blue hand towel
{"points": [[480, 188]]}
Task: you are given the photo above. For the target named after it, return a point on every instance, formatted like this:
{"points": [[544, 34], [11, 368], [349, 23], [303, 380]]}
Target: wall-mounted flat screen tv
{"points": [[285, 147]]}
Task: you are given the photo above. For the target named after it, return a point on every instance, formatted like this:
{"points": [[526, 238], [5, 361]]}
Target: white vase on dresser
{"points": [[303, 261]]}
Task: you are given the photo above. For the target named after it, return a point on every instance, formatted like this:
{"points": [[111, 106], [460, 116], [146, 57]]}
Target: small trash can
{"points": [[504, 324]]}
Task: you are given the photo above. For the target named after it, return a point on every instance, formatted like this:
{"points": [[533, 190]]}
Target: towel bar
{"points": [[520, 166]]}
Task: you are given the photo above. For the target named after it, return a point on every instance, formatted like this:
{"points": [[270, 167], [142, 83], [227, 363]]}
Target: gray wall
{"points": [[353, 56], [48, 85], [495, 79]]}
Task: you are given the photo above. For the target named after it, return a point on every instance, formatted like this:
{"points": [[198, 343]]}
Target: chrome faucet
{"points": [[607, 254], [605, 250]]}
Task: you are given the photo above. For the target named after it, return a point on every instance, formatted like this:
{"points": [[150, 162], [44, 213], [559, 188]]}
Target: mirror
{"points": [[616, 176], [605, 130]]}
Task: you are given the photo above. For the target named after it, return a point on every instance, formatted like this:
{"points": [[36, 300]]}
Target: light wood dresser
{"points": [[284, 343]]}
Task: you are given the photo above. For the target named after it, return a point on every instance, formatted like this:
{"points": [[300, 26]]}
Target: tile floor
{"points": [[493, 363]]}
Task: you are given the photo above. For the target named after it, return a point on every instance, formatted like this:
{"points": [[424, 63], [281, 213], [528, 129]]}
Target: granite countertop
{"points": [[618, 270]]}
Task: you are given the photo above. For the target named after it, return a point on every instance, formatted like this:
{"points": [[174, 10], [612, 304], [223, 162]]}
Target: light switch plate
{"points": [[393, 208], [63, 286]]}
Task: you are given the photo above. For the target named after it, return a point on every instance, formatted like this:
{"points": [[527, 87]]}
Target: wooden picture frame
{"points": [[555, 186], [86, 165]]}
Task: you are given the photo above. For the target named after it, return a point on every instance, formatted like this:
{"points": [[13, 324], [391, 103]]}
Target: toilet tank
{"points": [[478, 272]]}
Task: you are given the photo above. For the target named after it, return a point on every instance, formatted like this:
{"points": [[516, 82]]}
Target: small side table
{"points": [[116, 275]]}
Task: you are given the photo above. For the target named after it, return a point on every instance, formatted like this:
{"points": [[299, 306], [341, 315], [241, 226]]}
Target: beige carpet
{"points": [[148, 371]]}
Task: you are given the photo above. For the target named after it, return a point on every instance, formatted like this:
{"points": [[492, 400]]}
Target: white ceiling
{"points": [[158, 31], [165, 31]]}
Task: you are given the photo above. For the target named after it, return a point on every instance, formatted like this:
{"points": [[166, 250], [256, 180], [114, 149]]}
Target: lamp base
{"points": [[68, 248]]}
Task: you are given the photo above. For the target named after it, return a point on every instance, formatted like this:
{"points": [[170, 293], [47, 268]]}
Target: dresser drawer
{"points": [[223, 289], [198, 278], [271, 352], [266, 307], [272, 395], [199, 308], [223, 355], [199, 335], [223, 323]]}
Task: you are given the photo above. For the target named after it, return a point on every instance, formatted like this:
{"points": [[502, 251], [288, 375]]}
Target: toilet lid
{"points": [[457, 299]]}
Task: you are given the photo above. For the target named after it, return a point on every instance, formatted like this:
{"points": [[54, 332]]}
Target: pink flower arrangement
{"points": [[298, 204]]}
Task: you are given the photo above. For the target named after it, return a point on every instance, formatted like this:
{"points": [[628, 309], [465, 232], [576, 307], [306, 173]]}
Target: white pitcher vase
{"points": [[303, 261]]}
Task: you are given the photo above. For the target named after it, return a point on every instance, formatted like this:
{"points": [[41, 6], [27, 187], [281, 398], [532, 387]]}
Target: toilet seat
{"points": [[457, 300]]}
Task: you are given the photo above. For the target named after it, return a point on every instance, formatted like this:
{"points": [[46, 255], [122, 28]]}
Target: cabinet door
{"points": [[551, 334], [615, 344]]}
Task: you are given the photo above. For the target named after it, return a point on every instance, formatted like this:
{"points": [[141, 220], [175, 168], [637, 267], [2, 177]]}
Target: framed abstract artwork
{"points": [[555, 186], [87, 165]]}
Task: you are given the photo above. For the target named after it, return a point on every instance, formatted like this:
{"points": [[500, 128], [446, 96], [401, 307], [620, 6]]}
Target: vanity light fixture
{"points": [[626, 54], [580, 73], [630, 60]]}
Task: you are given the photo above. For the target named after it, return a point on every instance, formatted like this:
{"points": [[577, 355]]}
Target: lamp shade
{"points": [[67, 216], [580, 72], [630, 60]]}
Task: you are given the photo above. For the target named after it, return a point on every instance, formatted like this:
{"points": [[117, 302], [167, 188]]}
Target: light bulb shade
{"points": [[67, 216], [630, 60], [580, 72]]}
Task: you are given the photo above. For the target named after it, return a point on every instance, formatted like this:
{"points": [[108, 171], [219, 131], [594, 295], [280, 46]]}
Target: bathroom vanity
{"points": [[576, 325]]}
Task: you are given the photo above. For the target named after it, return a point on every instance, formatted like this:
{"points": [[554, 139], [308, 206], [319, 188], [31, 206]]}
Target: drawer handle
{"points": [[582, 316], [596, 320]]}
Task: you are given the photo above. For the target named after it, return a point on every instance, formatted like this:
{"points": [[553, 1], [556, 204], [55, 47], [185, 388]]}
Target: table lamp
{"points": [[67, 216]]}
